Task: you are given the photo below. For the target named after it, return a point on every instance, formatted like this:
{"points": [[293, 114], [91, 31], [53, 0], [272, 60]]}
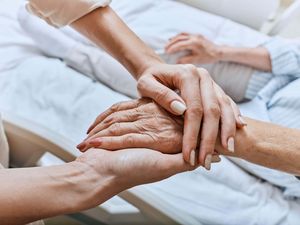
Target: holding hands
{"points": [[142, 123]]}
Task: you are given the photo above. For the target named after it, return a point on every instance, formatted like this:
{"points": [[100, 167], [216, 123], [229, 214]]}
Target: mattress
{"points": [[53, 95]]}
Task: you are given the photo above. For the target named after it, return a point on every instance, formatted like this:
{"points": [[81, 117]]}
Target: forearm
{"points": [[268, 145], [108, 31], [258, 58], [31, 194]]}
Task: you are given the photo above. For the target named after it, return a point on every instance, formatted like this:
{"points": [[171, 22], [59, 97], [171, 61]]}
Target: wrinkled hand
{"points": [[131, 167], [137, 123], [207, 107], [202, 51]]}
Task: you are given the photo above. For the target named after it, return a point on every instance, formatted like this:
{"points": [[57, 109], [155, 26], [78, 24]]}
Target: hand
{"points": [[138, 123], [135, 124], [202, 51], [132, 167], [216, 106]]}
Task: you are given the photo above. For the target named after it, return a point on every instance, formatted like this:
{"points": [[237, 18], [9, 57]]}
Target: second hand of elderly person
{"points": [[204, 51], [142, 123], [156, 80]]}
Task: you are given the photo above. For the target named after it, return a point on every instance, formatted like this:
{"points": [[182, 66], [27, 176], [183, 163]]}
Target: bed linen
{"points": [[51, 94]]}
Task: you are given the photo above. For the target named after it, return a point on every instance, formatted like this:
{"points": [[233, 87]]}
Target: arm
{"points": [[203, 51], [28, 195], [258, 58], [117, 39], [156, 80], [259, 142], [268, 145]]}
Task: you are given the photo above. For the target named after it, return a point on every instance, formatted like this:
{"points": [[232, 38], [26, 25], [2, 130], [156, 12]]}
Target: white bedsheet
{"points": [[51, 94]]}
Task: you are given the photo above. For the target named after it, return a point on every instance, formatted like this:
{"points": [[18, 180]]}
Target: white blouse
{"points": [[60, 13]]}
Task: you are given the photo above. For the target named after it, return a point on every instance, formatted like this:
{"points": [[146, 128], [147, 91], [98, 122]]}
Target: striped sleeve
{"points": [[285, 57], [60, 13]]}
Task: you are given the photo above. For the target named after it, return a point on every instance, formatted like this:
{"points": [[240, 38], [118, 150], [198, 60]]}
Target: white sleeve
{"points": [[60, 13]]}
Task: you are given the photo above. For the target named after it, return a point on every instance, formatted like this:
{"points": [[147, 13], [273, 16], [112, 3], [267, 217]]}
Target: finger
{"points": [[228, 121], [238, 116], [186, 59], [121, 142], [117, 129], [180, 46], [148, 86], [191, 95], [211, 120], [115, 108], [176, 40], [175, 164], [130, 115]]}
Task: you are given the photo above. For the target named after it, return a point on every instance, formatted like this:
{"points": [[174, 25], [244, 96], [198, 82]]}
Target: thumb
{"points": [[149, 87]]}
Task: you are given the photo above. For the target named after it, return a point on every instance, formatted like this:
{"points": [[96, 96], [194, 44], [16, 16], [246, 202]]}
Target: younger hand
{"points": [[202, 51]]}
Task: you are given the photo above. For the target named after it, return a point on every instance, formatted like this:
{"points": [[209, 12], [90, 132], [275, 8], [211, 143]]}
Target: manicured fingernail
{"points": [[81, 146], [230, 144], [89, 130], [208, 161], [216, 159], [242, 120], [178, 107], [193, 158]]}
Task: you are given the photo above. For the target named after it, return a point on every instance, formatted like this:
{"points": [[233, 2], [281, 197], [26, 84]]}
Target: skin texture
{"points": [[259, 142], [203, 51], [92, 179], [158, 81], [217, 107]]}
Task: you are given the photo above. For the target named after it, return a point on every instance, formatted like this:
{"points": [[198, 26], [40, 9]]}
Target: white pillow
{"points": [[252, 13]]}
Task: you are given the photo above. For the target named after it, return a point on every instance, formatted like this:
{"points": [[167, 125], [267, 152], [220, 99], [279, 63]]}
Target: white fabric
{"points": [[86, 58], [253, 13], [53, 95], [4, 152], [63, 12]]}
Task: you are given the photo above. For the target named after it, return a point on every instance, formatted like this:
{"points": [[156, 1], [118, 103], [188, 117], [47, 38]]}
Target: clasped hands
{"points": [[140, 125]]}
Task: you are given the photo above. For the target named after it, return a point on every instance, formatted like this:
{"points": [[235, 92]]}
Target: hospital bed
{"points": [[40, 125]]}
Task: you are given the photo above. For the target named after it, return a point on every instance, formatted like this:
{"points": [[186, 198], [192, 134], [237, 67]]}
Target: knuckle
{"points": [[196, 110], [129, 140], [114, 129], [115, 107], [214, 110], [161, 94], [142, 84]]}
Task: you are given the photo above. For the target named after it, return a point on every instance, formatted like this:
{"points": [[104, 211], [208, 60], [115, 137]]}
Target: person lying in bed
{"points": [[132, 124]]}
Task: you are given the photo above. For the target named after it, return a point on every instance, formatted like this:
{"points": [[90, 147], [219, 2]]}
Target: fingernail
{"points": [[216, 159], [193, 158], [178, 107], [89, 130], [230, 144], [242, 120], [81, 146], [208, 161]]}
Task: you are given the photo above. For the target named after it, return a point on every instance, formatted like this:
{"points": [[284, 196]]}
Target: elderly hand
{"points": [[207, 107], [138, 123], [202, 51]]}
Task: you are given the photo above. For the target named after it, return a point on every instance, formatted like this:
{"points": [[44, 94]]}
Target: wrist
{"points": [[93, 187], [224, 53]]}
